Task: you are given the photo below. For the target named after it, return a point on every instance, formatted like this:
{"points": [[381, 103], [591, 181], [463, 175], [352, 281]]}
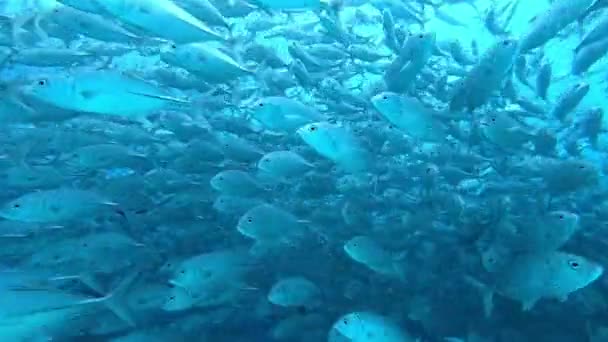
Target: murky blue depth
{"points": [[303, 170]]}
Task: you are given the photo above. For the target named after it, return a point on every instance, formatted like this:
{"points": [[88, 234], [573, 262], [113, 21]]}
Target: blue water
{"points": [[241, 174]]}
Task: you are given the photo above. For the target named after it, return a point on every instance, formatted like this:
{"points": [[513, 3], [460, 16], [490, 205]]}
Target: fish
{"points": [[362, 325], [153, 17], [486, 76], [54, 205], [338, 144], [281, 114], [370, 253], [284, 165], [295, 292], [411, 116], [100, 92], [206, 61], [271, 227], [530, 277], [550, 22], [302, 170]]}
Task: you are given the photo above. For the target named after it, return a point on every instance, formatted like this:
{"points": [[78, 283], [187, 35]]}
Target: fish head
{"points": [[387, 103], [264, 110], [581, 88], [319, 136], [268, 162], [218, 182], [248, 223], [575, 272], [352, 326], [425, 40], [506, 51], [222, 203], [279, 294], [48, 89], [16, 210], [360, 248], [569, 221]]}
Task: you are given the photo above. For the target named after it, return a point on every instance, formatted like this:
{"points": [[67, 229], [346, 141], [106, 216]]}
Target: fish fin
{"points": [[87, 94], [486, 293], [18, 24], [91, 282], [161, 97], [400, 272], [563, 298], [115, 300], [529, 304], [259, 249], [178, 284], [38, 29]]}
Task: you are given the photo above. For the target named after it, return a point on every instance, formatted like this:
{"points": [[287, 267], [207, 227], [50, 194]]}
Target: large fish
{"points": [[550, 22], [161, 18], [101, 92], [530, 277]]}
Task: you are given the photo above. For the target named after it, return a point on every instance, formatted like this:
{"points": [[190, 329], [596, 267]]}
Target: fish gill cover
{"points": [[303, 170]]}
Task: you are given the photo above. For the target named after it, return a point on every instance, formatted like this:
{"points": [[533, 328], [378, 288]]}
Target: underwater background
{"points": [[303, 170]]}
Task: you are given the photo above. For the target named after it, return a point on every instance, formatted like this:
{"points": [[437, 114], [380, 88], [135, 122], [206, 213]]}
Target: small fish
{"points": [[284, 165], [371, 327], [271, 227], [295, 292], [409, 115], [368, 252], [338, 144], [236, 183], [56, 205]]}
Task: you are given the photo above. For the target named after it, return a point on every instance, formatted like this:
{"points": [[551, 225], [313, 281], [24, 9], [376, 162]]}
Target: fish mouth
{"points": [[300, 131], [599, 271], [178, 284]]}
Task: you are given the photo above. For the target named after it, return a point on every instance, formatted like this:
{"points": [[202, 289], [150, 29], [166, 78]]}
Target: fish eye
{"points": [[581, 167], [574, 264], [421, 36], [561, 217], [312, 128], [16, 205], [42, 82], [173, 46], [506, 42], [249, 219], [385, 97], [261, 104]]}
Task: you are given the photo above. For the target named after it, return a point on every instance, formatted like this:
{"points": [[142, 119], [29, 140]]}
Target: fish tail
{"points": [[125, 223], [486, 293], [115, 300]]}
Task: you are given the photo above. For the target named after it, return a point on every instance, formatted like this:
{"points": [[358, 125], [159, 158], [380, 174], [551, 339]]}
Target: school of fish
{"points": [[303, 170]]}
